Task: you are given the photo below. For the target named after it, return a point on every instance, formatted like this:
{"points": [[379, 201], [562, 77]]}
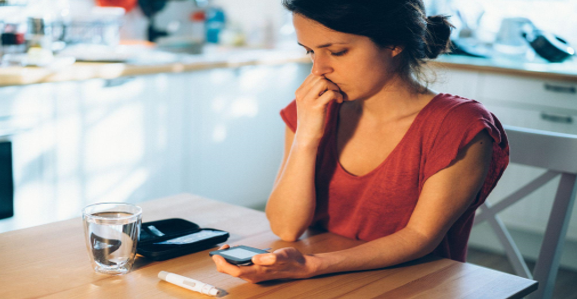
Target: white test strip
{"points": [[189, 283]]}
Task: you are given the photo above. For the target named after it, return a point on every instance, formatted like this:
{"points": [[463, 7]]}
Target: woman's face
{"points": [[354, 63]]}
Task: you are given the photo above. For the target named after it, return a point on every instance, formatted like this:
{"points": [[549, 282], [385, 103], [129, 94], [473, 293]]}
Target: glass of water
{"points": [[111, 231]]}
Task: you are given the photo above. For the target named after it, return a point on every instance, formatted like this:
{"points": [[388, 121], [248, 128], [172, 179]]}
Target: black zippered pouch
{"points": [[169, 238]]}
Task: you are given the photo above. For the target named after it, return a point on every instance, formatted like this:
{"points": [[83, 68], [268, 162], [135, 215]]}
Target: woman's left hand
{"points": [[284, 263]]}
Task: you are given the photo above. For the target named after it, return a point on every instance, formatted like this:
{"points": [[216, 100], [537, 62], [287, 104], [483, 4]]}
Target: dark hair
{"points": [[387, 23]]}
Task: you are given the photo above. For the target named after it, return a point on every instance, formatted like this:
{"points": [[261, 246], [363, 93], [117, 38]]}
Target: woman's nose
{"points": [[321, 66]]}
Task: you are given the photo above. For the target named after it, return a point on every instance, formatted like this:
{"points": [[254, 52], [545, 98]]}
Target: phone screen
{"points": [[239, 253], [194, 237]]}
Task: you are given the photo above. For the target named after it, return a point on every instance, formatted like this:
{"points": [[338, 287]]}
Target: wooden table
{"points": [[51, 261]]}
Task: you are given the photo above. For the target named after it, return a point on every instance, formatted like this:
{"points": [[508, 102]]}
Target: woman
{"points": [[371, 153]]}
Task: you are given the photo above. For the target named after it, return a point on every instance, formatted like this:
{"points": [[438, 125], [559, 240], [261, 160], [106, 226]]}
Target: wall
{"points": [[250, 15], [556, 16], [552, 15]]}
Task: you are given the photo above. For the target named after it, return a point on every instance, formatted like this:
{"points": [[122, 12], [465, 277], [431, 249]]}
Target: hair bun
{"points": [[437, 36]]}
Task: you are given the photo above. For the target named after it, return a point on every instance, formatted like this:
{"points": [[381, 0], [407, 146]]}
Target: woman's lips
{"points": [[339, 86]]}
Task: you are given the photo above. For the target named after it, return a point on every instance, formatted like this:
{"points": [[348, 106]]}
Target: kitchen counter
{"points": [[219, 58], [559, 71], [222, 58]]}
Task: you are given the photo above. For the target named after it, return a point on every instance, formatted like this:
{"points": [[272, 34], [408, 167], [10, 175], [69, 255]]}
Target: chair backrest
{"points": [[557, 153], [553, 151]]}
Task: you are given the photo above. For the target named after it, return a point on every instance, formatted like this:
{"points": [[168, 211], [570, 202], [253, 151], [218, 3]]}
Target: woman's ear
{"points": [[396, 50]]}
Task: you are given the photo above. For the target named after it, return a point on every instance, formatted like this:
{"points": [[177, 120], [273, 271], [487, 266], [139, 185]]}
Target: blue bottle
{"points": [[215, 20]]}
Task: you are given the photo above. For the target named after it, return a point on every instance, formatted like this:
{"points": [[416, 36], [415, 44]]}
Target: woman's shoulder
{"points": [[449, 101], [453, 108], [457, 119]]}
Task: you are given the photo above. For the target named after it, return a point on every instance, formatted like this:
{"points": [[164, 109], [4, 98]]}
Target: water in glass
{"points": [[111, 238]]}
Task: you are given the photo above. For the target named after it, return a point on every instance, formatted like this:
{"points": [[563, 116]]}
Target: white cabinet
{"points": [[458, 82], [545, 93], [536, 103], [111, 140], [95, 140], [134, 145], [215, 132], [234, 134], [25, 115]]}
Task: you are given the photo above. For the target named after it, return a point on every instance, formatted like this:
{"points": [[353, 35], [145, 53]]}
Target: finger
{"points": [[317, 85], [265, 259], [225, 246], [330, 95], [224, 267], [307, 84], [310, 79], [322, 86]]}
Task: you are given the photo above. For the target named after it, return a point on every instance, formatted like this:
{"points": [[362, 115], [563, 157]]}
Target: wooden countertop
{"points": [[566, 71], [239, 57], [221, 58], [51, 261]]}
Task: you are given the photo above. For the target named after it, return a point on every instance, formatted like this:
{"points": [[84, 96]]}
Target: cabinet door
{"points": [[124, 138], [532, 92], [546, 118], [456, 82], [22, 107], [25, 120], [236, 133], [102, 140]]}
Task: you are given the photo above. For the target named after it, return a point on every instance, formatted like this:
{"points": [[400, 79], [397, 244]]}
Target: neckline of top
{"points": [[333, 142]]}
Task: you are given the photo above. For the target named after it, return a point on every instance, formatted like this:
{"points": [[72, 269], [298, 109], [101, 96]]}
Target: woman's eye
{"points": [[310, 52], [341, 53]]}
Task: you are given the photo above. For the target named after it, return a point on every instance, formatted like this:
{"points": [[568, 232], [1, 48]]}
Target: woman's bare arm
{"points": [[444, 198], [291, 205]]}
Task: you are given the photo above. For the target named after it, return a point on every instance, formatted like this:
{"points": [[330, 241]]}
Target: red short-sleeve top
{"points": [[381, 202]]}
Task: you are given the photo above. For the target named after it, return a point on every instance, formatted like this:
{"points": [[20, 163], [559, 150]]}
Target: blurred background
{"points": [[133, 100]]}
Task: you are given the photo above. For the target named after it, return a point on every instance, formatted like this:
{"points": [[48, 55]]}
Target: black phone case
{"points": [[162, 230]]}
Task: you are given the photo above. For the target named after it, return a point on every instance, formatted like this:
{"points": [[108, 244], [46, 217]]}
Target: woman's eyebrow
{"points": [[325, 45]]}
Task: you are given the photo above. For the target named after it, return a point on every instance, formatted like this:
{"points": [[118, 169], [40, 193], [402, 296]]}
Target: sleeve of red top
{"points": [[289, 115], [458, 129]]}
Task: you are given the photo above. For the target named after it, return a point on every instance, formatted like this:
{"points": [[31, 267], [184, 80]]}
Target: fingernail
{"points": [[266, 258]]}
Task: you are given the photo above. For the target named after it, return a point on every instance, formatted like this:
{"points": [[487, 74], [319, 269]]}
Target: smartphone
{"points": [[169, 238], [239, 255]]}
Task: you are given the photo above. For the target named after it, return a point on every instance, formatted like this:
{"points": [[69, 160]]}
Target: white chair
{"points": [[555, 152]]}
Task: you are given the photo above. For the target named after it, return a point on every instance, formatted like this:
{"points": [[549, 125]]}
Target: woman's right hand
{"points": [[312, 98]]}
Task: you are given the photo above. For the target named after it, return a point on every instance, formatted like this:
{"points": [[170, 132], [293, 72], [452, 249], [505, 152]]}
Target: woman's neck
{"points": [[395, 100]]}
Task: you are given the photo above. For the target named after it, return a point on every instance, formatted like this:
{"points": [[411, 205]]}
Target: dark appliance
{"points": [[6, 180], [152, 7], [549, 46]]}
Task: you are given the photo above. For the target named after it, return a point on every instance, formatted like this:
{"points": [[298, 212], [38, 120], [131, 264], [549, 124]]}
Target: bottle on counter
{"points": [[215, 22], [39, 38], [13, 44], [13, 41], [232, 35], [39, 33], [197, 26]]}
